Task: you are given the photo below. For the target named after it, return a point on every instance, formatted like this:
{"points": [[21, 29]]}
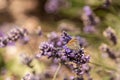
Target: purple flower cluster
{"points": [[82, 41], [106, 49], [110, 34], [84, 68], [53, 6], [87, 10], [58, 41], [13, 36], [89, 20], [54, 39], [64, 54]]}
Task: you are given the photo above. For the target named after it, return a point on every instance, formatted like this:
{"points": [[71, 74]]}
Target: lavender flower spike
{"points": [[63, 54], [87, 10], [12, 36]]}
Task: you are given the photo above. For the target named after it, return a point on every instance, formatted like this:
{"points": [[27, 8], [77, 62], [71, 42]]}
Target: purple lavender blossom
{"points": [[53, 35], [89, 29], [1, 34], [12, 36], [52, 6], [48, 49], [90, 20], [58, 41], [87, 10], [54, 38], [25, 40], [106, 49], [66, 38], [63, 54], [67, 50], [110, 34], [82, 41]]}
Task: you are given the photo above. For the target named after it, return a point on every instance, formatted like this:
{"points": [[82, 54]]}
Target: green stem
{"points": [[103, 66], [56, 72]]}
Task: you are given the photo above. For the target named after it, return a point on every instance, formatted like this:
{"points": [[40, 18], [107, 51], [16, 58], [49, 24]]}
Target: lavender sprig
{"points": [[110, 34], [13, 36], [64, 54], [90, 20]]}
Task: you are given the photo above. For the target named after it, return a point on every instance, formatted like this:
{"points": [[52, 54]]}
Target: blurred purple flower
{"points": [[25, 40], [87, 10], [52, 6], [89, 29], [12, 36], [110, 34], [1, 34], [65, 37], [90, 20], [82, 41]]}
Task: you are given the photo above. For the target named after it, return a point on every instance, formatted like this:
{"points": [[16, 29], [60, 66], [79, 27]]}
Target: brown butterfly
{"points": [[73, 44]]}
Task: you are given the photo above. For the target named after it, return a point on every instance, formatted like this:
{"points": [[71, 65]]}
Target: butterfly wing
{"points": [[73, 44]]}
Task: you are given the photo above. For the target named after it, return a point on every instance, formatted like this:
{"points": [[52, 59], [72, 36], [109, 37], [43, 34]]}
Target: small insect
{"points": [[73, 44]]}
